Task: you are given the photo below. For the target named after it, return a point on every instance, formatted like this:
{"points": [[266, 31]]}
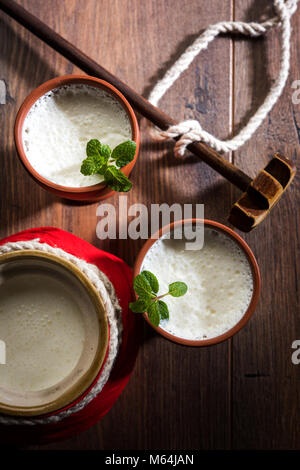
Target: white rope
{"points": [[114, 315], [191, 130]]}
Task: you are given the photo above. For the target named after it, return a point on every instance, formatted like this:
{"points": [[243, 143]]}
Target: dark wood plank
{"points": [[182, 400], [266, 400]]}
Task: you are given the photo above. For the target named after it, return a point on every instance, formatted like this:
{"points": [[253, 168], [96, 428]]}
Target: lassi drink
{"points": [[45, 318], [219, 281], [59, 125]]}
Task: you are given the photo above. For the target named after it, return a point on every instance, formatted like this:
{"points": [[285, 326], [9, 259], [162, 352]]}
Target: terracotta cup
{"points": [[252, 262], [95, 344], [88, 193]]}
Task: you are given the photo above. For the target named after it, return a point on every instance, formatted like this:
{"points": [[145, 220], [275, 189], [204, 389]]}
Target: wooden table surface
{"points": [[244, 393]]}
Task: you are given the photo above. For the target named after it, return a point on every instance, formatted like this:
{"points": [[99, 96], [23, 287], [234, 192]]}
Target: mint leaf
{"points": [[99, 152], [98, 161], [152, 280], [142, 287], [153, 314], [93, 148], [101, 169], [124, 153], [92, 165], [101, 163], [140, 306], [177, 289], [146, 287], [88, 166], [97, 158], [116, 180], [163, 310], [105, 151]]}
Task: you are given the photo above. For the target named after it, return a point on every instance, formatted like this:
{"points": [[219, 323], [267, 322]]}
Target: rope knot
{"points": [[188, 131], [191, 131]]}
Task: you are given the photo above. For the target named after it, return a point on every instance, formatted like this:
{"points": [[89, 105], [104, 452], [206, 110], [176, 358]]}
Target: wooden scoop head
{"points": [[262, 194]]}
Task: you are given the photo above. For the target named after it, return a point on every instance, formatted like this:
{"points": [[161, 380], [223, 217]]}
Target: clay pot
{"points": [[88, 193], [254, 269], [95, 346]]}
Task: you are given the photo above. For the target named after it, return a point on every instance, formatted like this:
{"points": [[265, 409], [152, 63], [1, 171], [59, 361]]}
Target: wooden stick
{"points": [[154, 114]]}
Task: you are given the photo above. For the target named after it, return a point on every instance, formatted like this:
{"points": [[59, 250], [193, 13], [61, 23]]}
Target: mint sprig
{"points": [[102, 160], [124, 153], [116, 180], [146, 287]]}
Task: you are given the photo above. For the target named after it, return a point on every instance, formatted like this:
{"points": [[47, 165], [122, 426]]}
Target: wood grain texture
{"points": [[265, 382], [239, 394]]}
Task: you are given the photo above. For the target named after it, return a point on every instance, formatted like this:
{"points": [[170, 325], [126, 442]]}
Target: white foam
{"points": [[219, 279], [43, 330], [59, 125]]}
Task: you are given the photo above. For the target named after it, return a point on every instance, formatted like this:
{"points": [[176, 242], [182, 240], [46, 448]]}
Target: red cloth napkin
{"points": [[121, 277]]}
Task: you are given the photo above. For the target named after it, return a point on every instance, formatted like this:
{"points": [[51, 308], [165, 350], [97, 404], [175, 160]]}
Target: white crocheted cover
{"points": [[114, 315]]}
